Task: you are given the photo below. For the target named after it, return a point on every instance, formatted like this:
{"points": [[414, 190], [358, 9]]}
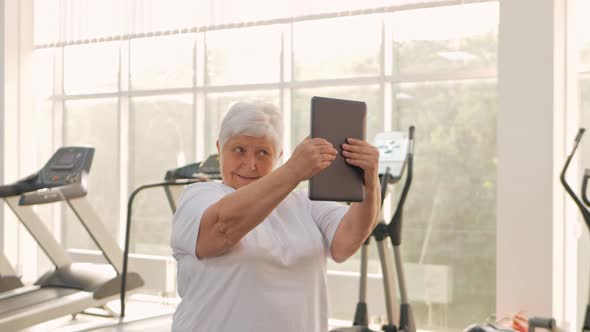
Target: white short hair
{"points": [[252, 118]]}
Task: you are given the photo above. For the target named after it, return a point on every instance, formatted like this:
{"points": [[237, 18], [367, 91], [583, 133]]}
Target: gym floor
{"points": [[143, 313]]}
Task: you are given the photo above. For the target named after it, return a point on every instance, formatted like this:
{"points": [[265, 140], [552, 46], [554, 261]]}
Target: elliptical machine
{"points": [[396, 150], [583, 210]]}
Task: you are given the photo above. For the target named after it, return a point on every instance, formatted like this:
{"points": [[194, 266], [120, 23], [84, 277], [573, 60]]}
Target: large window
{"points": [[161, 62], [91, 68], [337, 48], [160, 138], [94, 122], [456, 39], [449, 222], [243, 56], [150, 100], [583, 40]]}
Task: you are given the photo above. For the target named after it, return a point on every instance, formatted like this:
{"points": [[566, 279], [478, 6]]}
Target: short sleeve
{"points": [[327, 216], [187, 219]]}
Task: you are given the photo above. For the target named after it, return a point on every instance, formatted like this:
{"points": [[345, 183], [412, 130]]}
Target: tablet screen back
{"points": [[335, 120]]}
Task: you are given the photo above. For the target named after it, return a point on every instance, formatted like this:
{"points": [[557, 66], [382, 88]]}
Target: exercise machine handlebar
{"points": [[128, 230], [395, 226], [568, 189], [581, 207]]}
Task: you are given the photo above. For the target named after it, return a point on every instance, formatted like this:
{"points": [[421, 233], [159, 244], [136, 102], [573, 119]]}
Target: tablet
{"points": [[336, 120]]}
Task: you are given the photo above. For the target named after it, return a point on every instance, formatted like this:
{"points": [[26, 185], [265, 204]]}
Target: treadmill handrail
{"points": [[56, 194], [25, 185]]}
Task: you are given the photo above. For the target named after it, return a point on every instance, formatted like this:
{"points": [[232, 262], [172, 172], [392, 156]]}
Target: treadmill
{"points": [[10, 194], [70, 287], [176, 178]]}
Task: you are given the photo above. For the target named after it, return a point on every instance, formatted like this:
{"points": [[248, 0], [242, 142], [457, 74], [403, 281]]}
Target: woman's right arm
{"points": [[225, 222]]}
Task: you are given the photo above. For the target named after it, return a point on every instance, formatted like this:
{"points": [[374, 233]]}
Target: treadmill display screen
{"points": [[65, 161]]}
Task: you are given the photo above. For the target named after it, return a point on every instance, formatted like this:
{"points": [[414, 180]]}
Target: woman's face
{"points": [[245, 159]]}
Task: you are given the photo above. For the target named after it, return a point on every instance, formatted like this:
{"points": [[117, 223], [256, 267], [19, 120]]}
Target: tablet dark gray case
{"points": [[335, 120]]}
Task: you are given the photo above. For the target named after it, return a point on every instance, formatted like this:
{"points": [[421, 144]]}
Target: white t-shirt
{"points": [[274, 279]]}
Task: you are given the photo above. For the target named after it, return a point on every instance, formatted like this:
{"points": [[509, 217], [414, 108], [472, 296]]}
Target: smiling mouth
{"points": [[245, 177]]}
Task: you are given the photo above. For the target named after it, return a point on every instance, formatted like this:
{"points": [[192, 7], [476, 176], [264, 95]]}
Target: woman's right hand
{"points": [[311, 156]]}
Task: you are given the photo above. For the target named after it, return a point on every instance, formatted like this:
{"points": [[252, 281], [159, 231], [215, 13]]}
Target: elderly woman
{"points": [[251, 250]]}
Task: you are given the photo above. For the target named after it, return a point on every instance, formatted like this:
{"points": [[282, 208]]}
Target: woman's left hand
{"points": [[360, 219], [364, 155]]}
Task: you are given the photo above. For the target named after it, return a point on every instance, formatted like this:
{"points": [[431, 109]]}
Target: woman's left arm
{"points": [[358, 223]]}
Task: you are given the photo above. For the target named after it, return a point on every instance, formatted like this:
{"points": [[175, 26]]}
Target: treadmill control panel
{"points": [[66, 166], [208, 168], [184, 172], [61, 178]]}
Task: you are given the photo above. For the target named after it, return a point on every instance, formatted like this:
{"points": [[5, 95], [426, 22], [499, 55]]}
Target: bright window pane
{"points": [[93, 19], [584, 91], [162, 15], [584, 104], [217, 106], [242, 56], [95, 123], [370, 94], [46, 21], [584, 98], [162, 139], [43, 71], [162, 62], [445, 39], [91, 68], [43, 60], [337, 48], [307, 7], [232, 11], [452, 207], [582, 31], [44, 132]]}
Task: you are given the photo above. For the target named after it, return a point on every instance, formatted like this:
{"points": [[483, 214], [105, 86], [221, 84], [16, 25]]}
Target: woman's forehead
{"points": [[250, 140]]}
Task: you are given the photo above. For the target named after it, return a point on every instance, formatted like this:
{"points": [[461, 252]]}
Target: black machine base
{"points": [[356, 328], [361, 316], [586, 327], [102, 281]]}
